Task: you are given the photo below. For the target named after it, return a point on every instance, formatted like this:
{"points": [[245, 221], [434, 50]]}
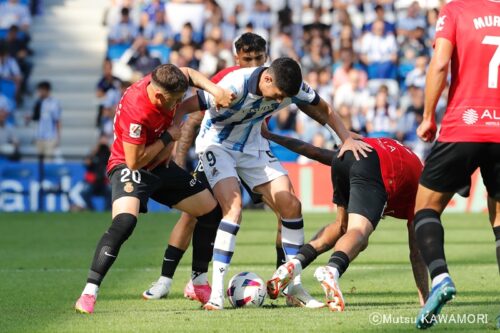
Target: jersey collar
{"points": [[253, 81]]}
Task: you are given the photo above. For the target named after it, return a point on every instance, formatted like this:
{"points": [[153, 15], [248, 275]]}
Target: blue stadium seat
{"points": [[116, 51], [161, 52], [23, 2], [4, 32]]}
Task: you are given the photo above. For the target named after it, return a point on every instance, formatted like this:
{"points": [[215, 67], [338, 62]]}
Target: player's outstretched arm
{"points": [[333, 120], [188, 132], [418, 266], [435, 82], [321, 155]]}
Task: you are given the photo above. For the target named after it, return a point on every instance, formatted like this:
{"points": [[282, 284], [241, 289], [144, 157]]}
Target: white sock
{"points": [[199, 278], [90, 289], [439, 278], [292, 236], [223, 251], [165, 280]]}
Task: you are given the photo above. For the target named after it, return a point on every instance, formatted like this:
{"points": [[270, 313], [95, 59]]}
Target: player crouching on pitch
{"points": [[382, 184], [144, 132]]}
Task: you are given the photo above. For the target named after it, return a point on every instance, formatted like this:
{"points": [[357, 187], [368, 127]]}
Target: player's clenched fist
{"points": [[224, 97], [427, 130]]}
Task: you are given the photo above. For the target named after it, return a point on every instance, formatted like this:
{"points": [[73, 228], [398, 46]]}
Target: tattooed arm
{"points": [[188, 133]]}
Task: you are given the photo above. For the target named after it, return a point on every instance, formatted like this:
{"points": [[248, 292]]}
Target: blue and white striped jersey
{"points": [[238, 127]]}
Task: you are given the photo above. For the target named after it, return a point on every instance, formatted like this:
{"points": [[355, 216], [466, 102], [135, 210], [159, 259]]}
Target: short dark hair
{"points": [[170, 78], [287, 75], [250, 42], [45, 85]]}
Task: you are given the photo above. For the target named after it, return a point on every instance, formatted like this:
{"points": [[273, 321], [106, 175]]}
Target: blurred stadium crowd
{"points": [[15, 68], [366, 58]]}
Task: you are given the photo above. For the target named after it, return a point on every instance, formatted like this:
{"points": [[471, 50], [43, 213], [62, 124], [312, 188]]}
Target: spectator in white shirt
{"points": [[379, 52], [159, 31], [125, 31], [47, 112], [409, 22], [9, 69], [9, 144], [381, 119], [14, 13], [416, 77]]}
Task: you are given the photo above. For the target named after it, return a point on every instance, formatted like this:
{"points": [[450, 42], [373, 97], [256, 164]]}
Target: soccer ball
{"points": [[246, 289]]}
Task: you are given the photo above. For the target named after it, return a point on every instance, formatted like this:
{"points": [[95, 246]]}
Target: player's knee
{"points": [[232, 211], [291, 207], [122, 227]]}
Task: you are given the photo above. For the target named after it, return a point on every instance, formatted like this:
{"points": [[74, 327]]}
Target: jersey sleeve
{"points": [[446, 23], [132, 130], [306, 95]]}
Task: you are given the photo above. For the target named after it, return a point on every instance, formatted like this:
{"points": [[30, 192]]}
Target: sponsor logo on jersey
{"points": [[135, 131], [192, 182], [470, 116], [129, 187], [491, 117]]}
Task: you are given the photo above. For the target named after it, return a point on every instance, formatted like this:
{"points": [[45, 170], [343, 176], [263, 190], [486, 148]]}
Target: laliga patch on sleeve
{"points": [[135, 131]]}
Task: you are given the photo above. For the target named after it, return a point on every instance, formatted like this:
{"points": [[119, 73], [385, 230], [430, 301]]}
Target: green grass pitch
{"points": [[45, 257]]}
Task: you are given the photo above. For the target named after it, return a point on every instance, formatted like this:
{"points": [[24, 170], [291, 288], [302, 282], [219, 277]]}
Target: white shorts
{"points": [[221, 163]]}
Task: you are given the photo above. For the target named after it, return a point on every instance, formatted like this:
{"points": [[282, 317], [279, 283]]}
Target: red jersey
{"points": [[473, 112], [401, 170], [220, 75], [137, 121]]}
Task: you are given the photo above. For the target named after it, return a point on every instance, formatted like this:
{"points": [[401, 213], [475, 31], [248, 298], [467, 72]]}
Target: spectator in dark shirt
{"points": [[95, 179], [107, 82]]}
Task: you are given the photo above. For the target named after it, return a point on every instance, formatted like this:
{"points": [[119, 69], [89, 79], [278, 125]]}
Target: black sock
{"points": [[307, 254], [204, 238], [430, 240], [340, 261], [108, 247], [280, 256], [170, 261], [496, 231]]}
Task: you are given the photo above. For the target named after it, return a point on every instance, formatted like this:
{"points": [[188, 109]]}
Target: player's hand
{"points": [[175, 132], [356, 146], [427, 130], [223, 98]]}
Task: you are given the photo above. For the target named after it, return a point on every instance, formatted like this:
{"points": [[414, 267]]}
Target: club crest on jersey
{"points": [[129, 188], [135, 131], [440, 23]]}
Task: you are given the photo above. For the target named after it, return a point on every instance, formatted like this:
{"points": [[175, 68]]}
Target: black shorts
{"points": [[358, 185], [449, 167], [167, 185], [199, 174]]}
